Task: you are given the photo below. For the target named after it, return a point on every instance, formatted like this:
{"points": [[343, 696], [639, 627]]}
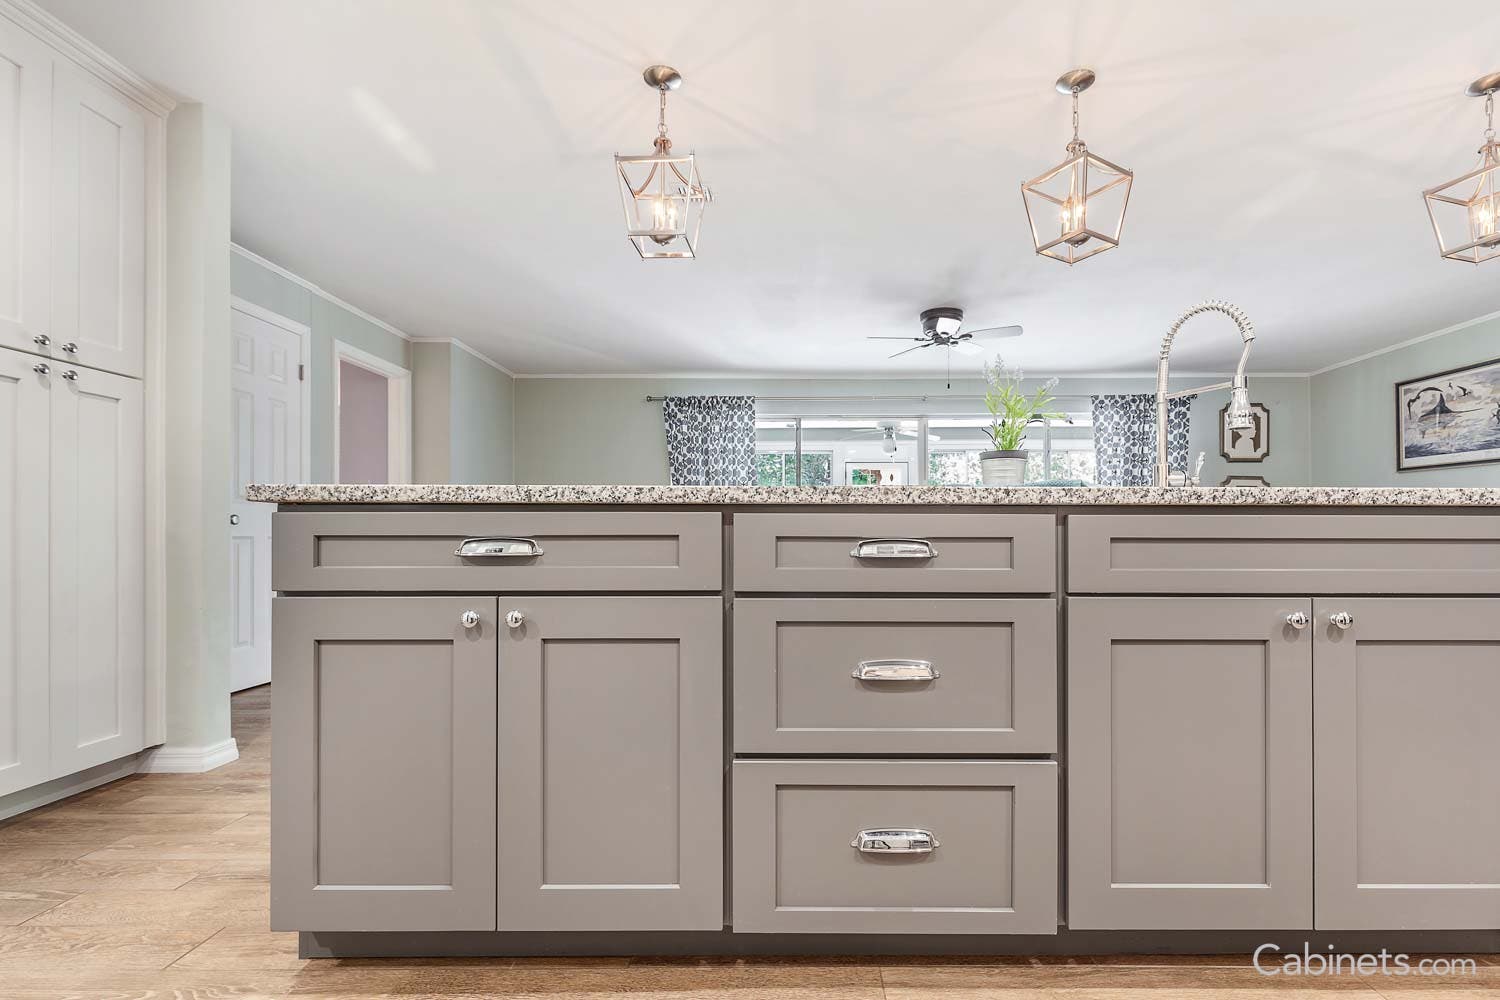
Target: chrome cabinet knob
{"points": [[1341, 619], [1298, 620], [42, 369], [41, 340], [515, 619], [470, 619], [70, 375], [70, 347]]}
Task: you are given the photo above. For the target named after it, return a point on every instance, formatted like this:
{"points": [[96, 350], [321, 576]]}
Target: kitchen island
{"points": [[627, 719]]}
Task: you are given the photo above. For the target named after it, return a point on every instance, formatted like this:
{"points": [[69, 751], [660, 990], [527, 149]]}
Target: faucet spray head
{"points": [[1238, 418]]}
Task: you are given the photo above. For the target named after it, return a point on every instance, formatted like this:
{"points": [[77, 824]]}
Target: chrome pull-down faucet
{"points": [[1238, 417]]}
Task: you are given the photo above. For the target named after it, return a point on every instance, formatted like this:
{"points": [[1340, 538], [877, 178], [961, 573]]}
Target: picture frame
{"points": [[1449, 419], [1245, 482], [875, 474], [1253, 445]]}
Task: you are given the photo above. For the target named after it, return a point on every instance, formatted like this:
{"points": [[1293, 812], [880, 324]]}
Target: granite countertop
{"points": [[1037, 496]]}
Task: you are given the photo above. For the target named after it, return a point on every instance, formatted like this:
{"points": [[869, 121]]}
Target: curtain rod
{"points": [[845, 399]]}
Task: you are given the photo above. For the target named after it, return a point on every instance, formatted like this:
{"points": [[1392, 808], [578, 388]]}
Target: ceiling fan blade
{"points": [[910, 349], [967, 347], [895, 338], [996, 332]]}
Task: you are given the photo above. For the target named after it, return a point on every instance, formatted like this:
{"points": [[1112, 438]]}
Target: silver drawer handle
{"points": [[895, 842], [893, 548], [895, 670], [497, 547]]}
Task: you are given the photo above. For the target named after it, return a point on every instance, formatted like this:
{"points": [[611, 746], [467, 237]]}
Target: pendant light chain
{"points": [[1489, 118], [1077, 143], [661, 122]]}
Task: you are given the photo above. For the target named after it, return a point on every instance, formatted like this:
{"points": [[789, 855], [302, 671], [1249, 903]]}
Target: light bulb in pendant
{"points": [[1482, 221], [663, 219]]}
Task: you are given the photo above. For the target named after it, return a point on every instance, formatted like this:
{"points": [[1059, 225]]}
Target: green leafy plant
{"points": [[1012, 409]]}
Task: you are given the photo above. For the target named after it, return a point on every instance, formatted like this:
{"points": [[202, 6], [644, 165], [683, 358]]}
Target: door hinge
{"points": [[301, 372]]}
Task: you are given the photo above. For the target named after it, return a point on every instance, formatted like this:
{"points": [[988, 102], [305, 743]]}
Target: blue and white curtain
{"points": [[710, 440], [1125, 437]]}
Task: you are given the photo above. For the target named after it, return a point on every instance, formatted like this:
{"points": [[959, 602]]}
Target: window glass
{"points": [[860, 451]]}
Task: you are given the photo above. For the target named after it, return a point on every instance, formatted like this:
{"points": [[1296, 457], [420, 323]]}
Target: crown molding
{"points": [[864, 377], [88, 55], [296, 278], [462, 346], [1408, 343]]}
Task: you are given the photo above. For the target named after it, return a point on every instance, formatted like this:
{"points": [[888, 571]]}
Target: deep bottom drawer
{"points": [[991, 869]]}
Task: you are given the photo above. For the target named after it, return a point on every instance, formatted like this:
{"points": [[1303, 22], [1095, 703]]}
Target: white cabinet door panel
{"points": [[23, 572], [97, 565], [25, 85], [98, 225]]}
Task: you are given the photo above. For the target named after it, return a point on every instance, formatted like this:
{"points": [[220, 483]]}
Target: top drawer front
{"points": [[1283, 554], [415, 551], [969, 553]]}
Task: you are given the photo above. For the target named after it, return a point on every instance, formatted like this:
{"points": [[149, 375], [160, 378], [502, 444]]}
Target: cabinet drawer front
{"points": [[991, 869], [1283, 553], [574, 550], [914, 552], [992, 668]]}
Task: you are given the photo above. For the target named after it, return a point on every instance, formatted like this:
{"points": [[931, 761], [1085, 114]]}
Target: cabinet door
{"points": [[383, 807], [1407, 700], [611, 764], [98, 577], [1189, 764], [25, 89], [98, 224], [24, 419]]}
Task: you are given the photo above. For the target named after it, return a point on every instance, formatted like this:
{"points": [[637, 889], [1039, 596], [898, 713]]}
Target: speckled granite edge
{"points": [[1145, 496]]}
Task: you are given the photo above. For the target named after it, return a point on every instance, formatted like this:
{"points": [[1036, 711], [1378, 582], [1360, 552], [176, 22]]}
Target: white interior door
{"points": [[24, 419], [98, 567], [268, 446]]}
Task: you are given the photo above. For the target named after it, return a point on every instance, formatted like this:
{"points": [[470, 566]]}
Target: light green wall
{"points": [[481, 421], [463, 415], [329, 321], [601, 431], [1353, 415]]}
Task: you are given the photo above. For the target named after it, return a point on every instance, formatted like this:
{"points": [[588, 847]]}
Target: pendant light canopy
{"points": [[1465, 213], [1077, 208], [662, 194]]}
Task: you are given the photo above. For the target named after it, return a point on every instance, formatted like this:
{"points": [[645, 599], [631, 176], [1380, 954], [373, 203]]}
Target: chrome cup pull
{"points": [[498, 547], [895, 842], [895, 670], [893, 548]]}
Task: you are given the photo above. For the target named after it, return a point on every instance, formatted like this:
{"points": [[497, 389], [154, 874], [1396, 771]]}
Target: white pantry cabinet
{"points": [[24, 417], [25, 214]]}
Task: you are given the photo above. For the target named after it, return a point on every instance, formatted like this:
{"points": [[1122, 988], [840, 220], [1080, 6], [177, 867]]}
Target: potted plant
{"points": [[1012, 411]]}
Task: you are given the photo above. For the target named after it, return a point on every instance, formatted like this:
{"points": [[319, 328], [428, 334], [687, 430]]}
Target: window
{"points": [[897, 450]]}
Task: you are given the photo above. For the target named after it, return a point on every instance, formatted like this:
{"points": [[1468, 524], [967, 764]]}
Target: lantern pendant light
{"points": [[1077, 208], [661, 192], [1465, 212]]}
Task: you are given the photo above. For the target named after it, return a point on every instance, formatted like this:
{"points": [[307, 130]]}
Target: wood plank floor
{"points": [[157, 886]]}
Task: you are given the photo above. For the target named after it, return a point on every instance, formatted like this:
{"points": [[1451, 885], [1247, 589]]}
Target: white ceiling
{"points": [[445, 165]]}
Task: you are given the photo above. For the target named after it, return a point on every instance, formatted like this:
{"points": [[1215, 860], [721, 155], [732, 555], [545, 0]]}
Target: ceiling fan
{"points": [[890, 432], [940, 329]]}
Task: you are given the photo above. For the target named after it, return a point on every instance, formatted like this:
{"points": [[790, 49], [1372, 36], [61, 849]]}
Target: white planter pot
{"points": [[1002, 468]]}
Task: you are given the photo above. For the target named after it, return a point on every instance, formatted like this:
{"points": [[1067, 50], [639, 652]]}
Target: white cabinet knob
{"points": [[1341, 619], [515, 619], [470, 619], [1298, 620]]}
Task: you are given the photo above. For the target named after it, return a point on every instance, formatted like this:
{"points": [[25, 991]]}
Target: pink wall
{"points": [[364, 417]]}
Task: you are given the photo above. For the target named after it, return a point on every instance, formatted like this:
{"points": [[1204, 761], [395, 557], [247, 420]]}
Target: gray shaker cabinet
{"points": [[611, 776], [1407, 758], [384, 752], [1189, 774]]}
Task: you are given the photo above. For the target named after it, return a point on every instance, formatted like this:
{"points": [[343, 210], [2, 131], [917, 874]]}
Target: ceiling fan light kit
{"points": [[662, 193], [1465, 212], [1077, 208]]}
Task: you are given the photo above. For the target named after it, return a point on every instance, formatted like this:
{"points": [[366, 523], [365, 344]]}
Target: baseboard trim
{"points": [[48, 792], [189, 760]]}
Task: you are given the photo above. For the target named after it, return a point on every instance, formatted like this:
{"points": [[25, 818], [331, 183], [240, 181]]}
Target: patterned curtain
{"points": [[710, 440], [1125, 437]]}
